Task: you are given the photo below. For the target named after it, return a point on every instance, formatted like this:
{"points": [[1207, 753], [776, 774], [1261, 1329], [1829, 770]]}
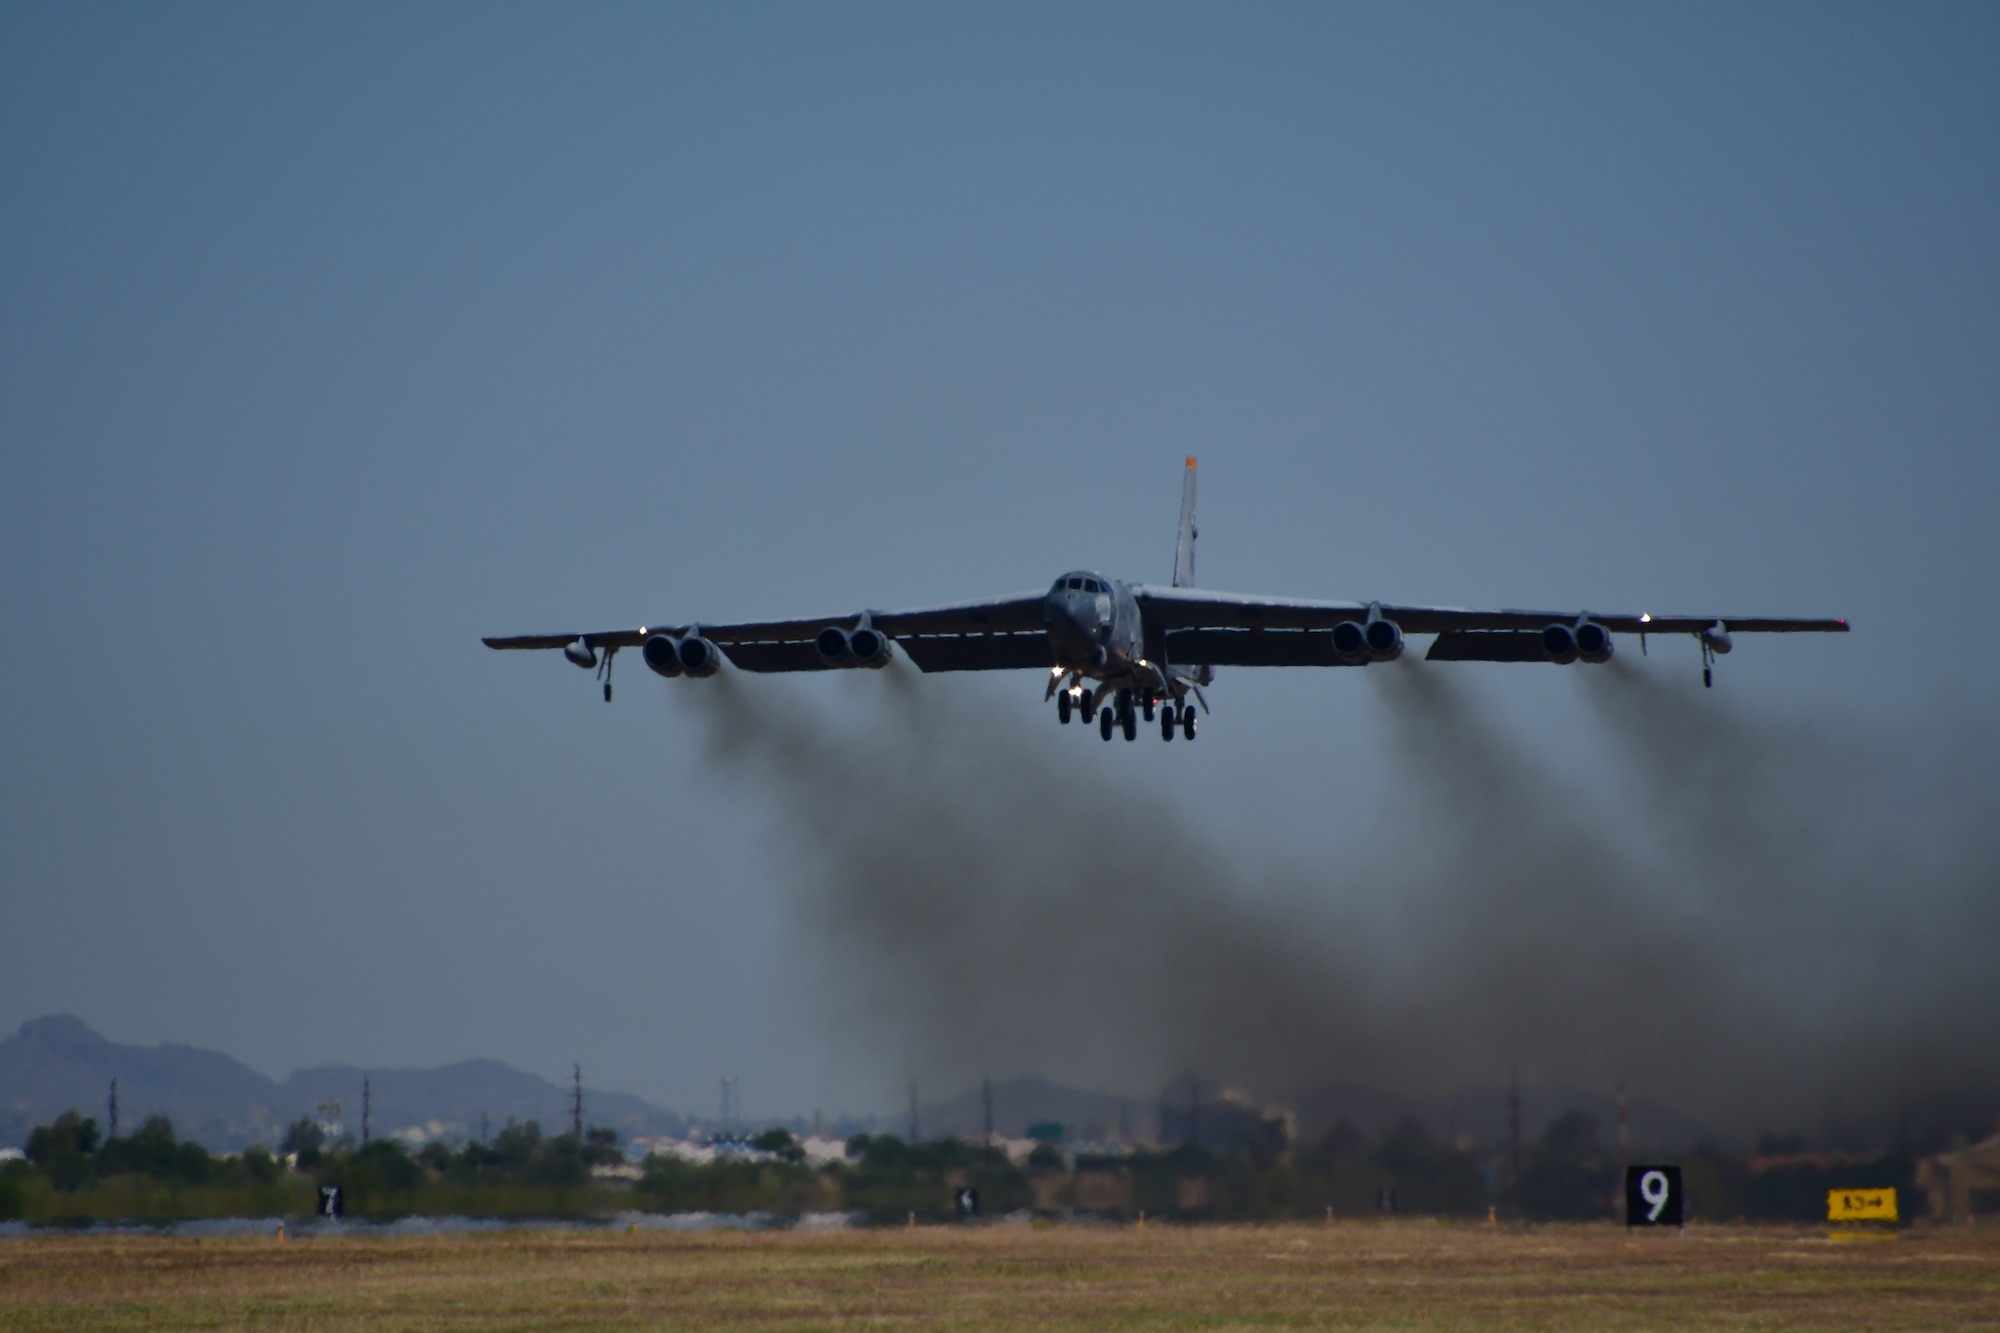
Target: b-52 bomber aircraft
{"points": [[1115, 651]]}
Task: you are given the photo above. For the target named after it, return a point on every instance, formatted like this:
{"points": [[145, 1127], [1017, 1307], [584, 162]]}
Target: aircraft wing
{"points": [[996, 633], [1235, 629]]}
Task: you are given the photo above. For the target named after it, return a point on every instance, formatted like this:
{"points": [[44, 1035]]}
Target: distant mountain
{"points": [[58, 1063]]}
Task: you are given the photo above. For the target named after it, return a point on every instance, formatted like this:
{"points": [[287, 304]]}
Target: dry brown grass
{"points": [[1406, 1275]]}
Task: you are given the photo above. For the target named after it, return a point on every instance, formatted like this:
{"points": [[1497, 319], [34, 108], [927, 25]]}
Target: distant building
{"points": [[1963, 1184]]}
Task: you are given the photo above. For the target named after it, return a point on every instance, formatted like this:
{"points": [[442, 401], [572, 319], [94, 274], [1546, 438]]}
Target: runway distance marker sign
{"points": [[1861, 1205], [1653, 1196]]}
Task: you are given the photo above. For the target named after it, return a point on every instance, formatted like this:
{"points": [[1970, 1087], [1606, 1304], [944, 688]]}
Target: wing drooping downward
{"points": [[1192, 626], [993, 634]]}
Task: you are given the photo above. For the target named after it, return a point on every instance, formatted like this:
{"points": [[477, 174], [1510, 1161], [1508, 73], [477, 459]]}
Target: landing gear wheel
{"points": [[1062, 707], [607, 691], [1087, 705], [1150, 701], [1187, 722], [1167, 723], [1105, 721], [1130, 723]]}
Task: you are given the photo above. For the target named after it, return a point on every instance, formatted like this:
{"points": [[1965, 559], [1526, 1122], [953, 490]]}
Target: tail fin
{"points": [[1184, 544]]}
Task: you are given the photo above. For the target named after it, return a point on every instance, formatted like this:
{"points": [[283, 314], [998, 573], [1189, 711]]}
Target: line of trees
{"points": [[71, 1172]]}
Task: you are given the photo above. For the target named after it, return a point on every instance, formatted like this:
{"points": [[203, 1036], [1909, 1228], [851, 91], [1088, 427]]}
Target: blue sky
{"points": [[333, 338]]}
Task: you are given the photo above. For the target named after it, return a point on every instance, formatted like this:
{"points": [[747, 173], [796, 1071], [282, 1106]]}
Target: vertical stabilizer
{"points": [[1184, 544]]}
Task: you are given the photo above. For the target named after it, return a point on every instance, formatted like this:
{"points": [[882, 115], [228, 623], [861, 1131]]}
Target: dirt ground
{"points": [[1402, 1274]]}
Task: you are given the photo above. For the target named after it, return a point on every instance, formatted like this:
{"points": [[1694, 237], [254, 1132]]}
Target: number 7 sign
{"points": [[1653, 1196]]}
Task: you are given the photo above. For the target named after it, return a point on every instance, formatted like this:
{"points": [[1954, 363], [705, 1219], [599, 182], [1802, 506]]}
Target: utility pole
{"points": [[986, 1095], [483, 1136], [1624, 1131], [112, 1110], [913, 1111], [1194, 1110], [1514, 1122], [576, 1103], [364, 1110]]}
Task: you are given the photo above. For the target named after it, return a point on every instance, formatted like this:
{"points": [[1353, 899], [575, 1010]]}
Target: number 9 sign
{"points": [[1653, 1196]]}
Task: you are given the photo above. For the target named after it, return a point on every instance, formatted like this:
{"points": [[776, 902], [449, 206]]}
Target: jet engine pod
{"points": [[1716, 638], [662, 654], [699, 657], [1559, 644], [870, 647], [1350, 642], [833, 647], [1593, 642], [581, 653], [1385, 640]]}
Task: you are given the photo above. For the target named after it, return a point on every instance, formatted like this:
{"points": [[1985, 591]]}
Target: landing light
{"points": [[1057, 673], [1645, 617]]}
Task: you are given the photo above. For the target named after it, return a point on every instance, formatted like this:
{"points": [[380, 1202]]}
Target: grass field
{"points": [[1403, 1275]]}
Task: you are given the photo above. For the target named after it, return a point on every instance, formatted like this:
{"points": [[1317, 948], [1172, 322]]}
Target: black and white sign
{"points": [[966, 1200], [1653, 1196], [329, 1201]]}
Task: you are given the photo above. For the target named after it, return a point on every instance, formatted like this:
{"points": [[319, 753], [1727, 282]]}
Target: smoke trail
{"points": [[1573, 953], [966, 899], [980, 904], [1855, 877]]}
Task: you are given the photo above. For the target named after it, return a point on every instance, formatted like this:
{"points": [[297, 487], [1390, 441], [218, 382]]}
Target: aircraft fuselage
{"points": [[1094, 625]]}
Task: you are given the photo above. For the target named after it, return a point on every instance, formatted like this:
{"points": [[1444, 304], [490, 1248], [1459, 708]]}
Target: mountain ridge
{"points": [[58, 1063]]}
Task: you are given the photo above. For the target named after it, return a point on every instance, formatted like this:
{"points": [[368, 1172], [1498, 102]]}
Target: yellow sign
{"points": [[1861, 1205]]}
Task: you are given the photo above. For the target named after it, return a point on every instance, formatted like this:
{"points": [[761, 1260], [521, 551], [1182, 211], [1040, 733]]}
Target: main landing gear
{"points": [[1172, 717], [1122, 713], [1121, 716]]}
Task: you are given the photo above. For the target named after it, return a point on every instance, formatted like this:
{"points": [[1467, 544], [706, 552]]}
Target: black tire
{"points": [[1150, 701], [1105, 721], [1130, 725], [1167, 723], [1062, 706], [1187, 722]]}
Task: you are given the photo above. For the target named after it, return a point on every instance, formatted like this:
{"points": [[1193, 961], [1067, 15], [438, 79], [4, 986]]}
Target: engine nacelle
{"points": [[833, 648], [662, 654], [1350, 642], [1716, 638], [871, 648], [581, 653], [699, 657], [1559, 644], [1385, 640], [1593, 643]]}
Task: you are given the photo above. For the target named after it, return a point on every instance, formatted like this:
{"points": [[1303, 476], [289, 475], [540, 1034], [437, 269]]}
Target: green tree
{"points": [[305, 1138], [154, 1151], [780, 1144], [1569, 1177], [63, 1150]]}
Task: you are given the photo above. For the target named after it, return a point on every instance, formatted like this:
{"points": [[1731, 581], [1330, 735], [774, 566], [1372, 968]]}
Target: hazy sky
{"points": [[333, 338]]}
